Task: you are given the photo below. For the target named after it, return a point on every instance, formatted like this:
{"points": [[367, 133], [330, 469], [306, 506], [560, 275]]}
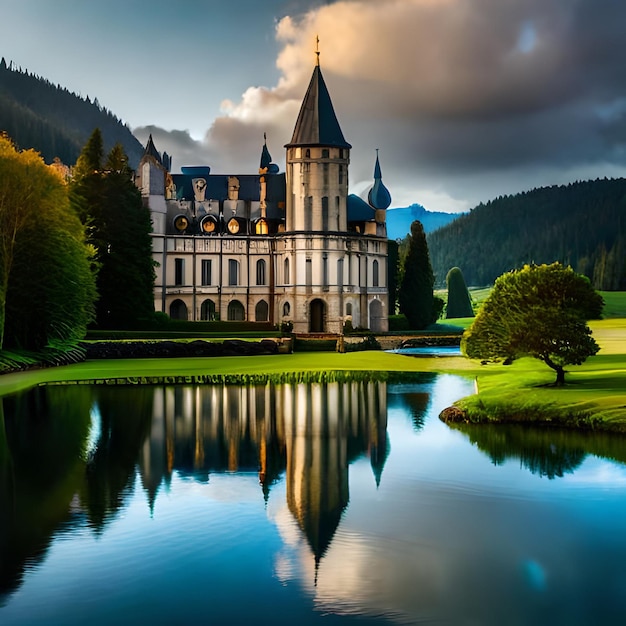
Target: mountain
{"points": [[582, 224], [399, 220], [57, 123]]}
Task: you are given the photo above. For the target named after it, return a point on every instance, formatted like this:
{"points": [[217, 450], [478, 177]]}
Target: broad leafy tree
{"points": [[538, 311], [46, 285], [118, 226], [416, 289], [459, 301]]}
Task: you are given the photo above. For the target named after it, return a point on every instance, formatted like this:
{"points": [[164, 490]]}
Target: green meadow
{"points": [[594, 395]]}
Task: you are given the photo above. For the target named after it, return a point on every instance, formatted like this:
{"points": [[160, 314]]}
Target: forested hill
{"points": [[582, 224], [57, 123]]}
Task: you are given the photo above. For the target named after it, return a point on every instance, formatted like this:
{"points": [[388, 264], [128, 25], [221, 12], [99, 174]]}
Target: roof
{"points": [[379, 196], [152, 151], [359, 210], [317, 123]]}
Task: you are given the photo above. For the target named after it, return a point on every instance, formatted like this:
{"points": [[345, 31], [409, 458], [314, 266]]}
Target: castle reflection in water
{"points": [[308, 432]]}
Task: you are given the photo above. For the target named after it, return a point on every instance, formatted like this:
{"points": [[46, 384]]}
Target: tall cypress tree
{"points": [[416, 290], [119, 228], [459, 301]]}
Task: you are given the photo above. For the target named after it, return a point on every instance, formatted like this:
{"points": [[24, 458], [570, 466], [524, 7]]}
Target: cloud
{"points": [[467, 99]]}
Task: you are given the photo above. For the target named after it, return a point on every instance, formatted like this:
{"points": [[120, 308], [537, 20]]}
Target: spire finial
{"points": [[317, 49]]}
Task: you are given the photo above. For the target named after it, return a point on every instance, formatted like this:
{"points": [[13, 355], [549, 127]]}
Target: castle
{"points": [[272, 247]]}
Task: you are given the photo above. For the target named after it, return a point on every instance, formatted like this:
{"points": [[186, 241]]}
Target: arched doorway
{"points": [[261, 311], [317, 315], [376, 315], [178, 310], [207, 310], [236, 312]]}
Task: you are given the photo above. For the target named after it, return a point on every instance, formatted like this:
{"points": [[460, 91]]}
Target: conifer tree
{"points": [[459, 301], [119, 228], [416, 290]]}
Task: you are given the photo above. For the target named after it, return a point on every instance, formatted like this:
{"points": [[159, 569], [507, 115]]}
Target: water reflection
{"points": [[69, 456], [309, 432], [162, 504], [547, 452]]}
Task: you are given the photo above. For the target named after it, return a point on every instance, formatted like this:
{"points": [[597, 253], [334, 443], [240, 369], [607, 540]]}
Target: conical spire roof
{"points": [[317, 123], [152, 151]]}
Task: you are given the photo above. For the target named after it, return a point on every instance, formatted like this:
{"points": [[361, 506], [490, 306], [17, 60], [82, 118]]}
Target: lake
{"points": [[302, 504]]}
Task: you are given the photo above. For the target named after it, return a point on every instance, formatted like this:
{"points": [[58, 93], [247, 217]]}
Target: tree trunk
{"points": [[560, 376], [560, 372]]}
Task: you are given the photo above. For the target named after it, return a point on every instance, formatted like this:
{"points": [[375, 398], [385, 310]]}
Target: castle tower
{"points": [[317, 165], [379, 199]]}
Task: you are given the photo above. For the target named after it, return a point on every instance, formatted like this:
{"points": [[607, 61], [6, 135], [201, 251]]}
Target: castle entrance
{"points": [[317, 315]]}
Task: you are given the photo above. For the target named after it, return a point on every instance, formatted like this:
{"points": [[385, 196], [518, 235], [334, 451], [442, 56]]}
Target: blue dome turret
{"points": [[379, 197]]}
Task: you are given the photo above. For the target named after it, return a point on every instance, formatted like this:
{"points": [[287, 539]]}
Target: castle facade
{"points": [[272, 247]]}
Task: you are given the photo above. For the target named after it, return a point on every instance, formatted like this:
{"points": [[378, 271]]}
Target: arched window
{"points": [[261, 227], [178, 310], [261, 311], [286, 309], [286, 271], [207, 310], [307, 154], [236, 312], [260, 272], [325, 153], [375, 273], [349, 308], [233, 272]]}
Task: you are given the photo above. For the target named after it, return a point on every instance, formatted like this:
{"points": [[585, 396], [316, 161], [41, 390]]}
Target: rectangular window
{"points": [[233, 272], [179, 271], [325, 271], [340, 274], [308, 213], [325, 213], [325, 170], [309, 272], [206, 271], [341, 174]]}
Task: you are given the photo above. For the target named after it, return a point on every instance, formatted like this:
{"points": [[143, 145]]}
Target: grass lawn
{"points": [[373, 361], [594, 394]]}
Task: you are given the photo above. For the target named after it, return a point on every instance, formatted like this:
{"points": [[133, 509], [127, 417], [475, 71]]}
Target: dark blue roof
{"points": [[217, 187], [317, 123], [379, 196], [359, 210]]}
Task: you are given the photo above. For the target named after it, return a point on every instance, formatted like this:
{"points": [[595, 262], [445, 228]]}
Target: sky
{"points": [[466, 100]]}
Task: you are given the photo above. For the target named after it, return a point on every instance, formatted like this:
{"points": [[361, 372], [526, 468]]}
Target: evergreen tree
{"points": [[393, 269], [459, 301], [416, 290], [118, 227]]}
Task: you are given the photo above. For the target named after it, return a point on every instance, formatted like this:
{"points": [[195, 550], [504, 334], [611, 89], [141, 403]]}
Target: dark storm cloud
{"points": [[465, 98]]}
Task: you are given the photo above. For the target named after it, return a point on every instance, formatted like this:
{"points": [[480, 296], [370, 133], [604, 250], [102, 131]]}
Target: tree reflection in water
{"points": [[69, 454]]}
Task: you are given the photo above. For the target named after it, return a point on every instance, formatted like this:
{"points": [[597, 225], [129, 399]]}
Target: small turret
{"points": [[379, 199]]}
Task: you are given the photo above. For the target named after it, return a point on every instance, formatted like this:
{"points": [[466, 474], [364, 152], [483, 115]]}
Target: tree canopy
{"points": [[538, 311], [46, 285]]}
